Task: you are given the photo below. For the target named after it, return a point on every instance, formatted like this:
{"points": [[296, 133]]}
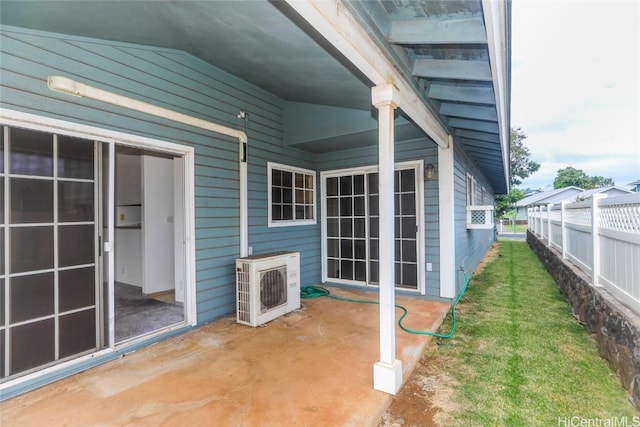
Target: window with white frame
{"points": [[479, 214], [471, 190], [291, 195]]}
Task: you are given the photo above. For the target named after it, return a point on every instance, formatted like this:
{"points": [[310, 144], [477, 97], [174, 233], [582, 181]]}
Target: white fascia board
{"points": [[495, 22], [340, 28]]}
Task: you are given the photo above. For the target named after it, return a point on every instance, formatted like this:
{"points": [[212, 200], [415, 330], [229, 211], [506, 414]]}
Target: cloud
{"points": [[575, 86]]}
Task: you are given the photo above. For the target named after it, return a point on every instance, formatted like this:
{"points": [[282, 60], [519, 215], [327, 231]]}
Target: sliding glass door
{"points": [[96, 247], [48, 282], [351, 221]]}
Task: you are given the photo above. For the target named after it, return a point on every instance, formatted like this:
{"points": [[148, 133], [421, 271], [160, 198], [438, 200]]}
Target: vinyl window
{"points": [[471, 190], [291, 195]]}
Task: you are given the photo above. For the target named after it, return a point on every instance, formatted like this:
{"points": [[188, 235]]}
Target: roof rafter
{"points": [[481, 150], [478, 143], [479, 136], [438, 31], [353, 42], [479, 125], [462, 93], [457, 69], [468, 111]]}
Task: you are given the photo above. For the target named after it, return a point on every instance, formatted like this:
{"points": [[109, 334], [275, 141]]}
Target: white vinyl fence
{"points": [[600, 236]]}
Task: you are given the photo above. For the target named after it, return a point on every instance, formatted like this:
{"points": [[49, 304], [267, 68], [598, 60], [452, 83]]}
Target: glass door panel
{"points": [[352, 224], [48, 290], [346, 228], [406, 242]]}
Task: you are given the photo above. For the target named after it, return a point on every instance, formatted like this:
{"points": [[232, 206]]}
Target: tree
{"points": [[600, 181], [504, 203], [521, 164], [571, 176]]}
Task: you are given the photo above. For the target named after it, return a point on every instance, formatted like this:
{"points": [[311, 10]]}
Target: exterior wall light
{"points": [[429, 172]]}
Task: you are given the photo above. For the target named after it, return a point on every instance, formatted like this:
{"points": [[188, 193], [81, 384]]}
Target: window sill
{"points": [[480, 217]]}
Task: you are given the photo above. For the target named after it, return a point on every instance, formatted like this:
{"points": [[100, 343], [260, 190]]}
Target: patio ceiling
{"points": [[441, 47]]}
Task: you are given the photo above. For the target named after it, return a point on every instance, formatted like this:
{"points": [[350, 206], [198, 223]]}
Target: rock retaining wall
{"points": [[615, 327]]}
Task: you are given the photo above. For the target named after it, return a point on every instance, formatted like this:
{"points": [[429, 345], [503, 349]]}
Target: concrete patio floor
{"points": [[313, 367]]}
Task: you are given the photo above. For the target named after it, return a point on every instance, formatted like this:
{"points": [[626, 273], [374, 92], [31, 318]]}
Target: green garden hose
{"points": [[309, 292]]}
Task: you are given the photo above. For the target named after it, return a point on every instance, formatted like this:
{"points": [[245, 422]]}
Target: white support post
{"points": [[387, 372], [563, 221], [595, 229], [446, 219], [549, 223]]}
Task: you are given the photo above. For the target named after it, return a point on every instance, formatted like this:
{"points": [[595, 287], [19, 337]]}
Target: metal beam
{"points": [[462, 93], [438, 31], [458, 69], [339, 27]]}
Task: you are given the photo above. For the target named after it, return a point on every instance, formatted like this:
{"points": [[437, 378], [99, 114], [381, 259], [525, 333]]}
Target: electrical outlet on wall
{"points": [[429, 266]]}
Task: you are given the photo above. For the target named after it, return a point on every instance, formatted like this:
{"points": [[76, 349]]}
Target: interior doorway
{"points": [[147, 242]]}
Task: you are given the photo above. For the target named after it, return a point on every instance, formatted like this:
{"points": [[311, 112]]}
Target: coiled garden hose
{"points": [[309, 292]]}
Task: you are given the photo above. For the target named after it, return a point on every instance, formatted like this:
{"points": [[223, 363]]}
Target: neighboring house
{"points": [[635, 186], [544, 198], [148, 145], [557, 196], [611, 191]]}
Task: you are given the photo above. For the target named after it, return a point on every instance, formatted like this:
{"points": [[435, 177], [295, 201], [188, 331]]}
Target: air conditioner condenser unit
{"points": [[267, 286]]}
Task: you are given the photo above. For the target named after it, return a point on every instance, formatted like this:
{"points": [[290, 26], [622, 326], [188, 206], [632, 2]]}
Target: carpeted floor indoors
{"points": [[137, 314]]}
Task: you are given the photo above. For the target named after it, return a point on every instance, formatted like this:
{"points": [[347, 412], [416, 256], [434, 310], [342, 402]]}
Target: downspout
{"points": [[74, 88]]}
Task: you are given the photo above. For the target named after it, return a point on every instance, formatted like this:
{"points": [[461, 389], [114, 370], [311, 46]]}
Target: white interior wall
{"points": [[178, 222], [128, 240], [158, 246]]}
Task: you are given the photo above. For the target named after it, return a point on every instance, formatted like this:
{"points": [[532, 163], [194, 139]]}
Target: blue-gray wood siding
{"points": [[472, 244], [420, 149], [180, 82]]}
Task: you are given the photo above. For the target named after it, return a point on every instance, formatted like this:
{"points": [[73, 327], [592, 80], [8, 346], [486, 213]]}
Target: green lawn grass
{"points": [[513, 228], [519, 357]]}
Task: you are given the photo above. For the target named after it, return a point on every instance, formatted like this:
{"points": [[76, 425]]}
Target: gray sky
{"points": [[576, 86]]}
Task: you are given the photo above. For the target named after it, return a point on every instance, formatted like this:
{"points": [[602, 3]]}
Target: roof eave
{"points": [[497, 15]]}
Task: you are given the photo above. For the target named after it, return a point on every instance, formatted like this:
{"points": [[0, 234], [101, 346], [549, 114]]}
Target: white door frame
{"points": [[45, 124], [419, 166]]}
